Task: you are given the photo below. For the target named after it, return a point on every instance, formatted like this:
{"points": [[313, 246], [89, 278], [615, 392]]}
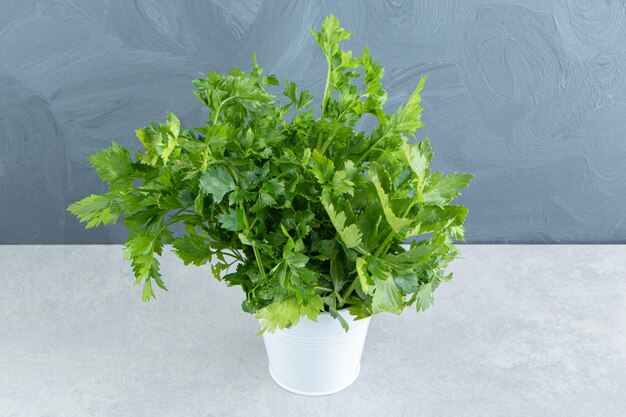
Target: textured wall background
{"points": [[530, 95]]}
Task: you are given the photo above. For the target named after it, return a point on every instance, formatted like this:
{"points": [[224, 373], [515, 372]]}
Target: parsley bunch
{"points": [[300, 210]]}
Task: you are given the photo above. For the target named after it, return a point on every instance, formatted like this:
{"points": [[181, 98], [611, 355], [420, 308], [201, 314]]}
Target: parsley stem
{"points": [[325, 97], [319, 141], [383, 247], [171, 220], [219, 108], [327, 143], [234, 254], [214, 117], [371, 148], [348, 291], [257, 255]]}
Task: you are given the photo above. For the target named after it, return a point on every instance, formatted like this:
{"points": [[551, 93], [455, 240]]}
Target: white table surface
{"points": [[522, 330]]}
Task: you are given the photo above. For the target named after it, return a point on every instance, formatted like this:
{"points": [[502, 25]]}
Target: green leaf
{"points": [[299, 101], [425, 295], [367, 284], [131, 203], [313, 308], [336, 315], [216, 138], [431, 218], [376, 94], [95, 210], [160, 140], [139, 245], [387, 297], [291, 91], [274, 186], [280, 273], [324, 247], [246, 240], [217, 181], [360, 310], [192, 249], [342, 184], [146, 216], [140, 248], [232, 220], [151, 140], [321, 167], [279, 315], [411, 258], [330, 35], [217, 268], [338, 265], [350, 235], [296, 260], [198, 204], [407, 119], [173, 125], [264, 200], [407, 283], [113, 165], [418, 157], [440, 189], [299, 274], [398, 224], [147, 291]]}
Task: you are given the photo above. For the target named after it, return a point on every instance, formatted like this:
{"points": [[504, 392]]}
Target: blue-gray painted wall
{"points": [[530, 95]]}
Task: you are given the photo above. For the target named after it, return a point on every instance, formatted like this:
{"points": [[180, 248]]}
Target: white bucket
{"points": [[316, 358]]}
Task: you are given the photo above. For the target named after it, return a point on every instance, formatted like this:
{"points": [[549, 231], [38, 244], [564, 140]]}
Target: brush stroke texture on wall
{"points": [[530, 95]]}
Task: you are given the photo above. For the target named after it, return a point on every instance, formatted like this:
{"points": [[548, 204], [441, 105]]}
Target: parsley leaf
{"points": [[294, 205], [217, 181]]}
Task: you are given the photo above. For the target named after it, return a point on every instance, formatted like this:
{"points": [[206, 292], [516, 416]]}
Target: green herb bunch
{"points": [[302, 211]]}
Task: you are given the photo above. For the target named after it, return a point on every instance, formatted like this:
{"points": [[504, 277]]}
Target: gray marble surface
{"points": [[520, 331]]}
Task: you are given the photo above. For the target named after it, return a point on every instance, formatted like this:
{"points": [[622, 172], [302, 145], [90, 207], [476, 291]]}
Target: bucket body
{"points": [[317, 358]]}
